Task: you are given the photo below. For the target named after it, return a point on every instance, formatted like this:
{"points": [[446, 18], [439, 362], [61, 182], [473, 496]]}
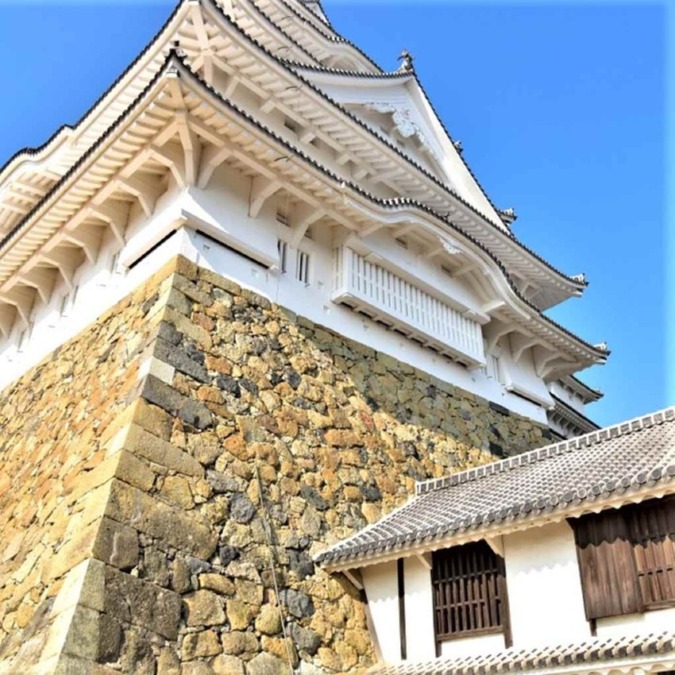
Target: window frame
{"points": [[494, 575], [610, 543]]}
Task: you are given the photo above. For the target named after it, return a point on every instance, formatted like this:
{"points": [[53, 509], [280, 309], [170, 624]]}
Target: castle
{"points": [[249, 300]]}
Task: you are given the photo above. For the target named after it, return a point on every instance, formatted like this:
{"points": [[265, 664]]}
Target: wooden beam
{"points": [[65, 261], [171, 156], [42, 280], [145, 192], [354, 576], [192, 148], [87, 238], [520, 344], [496, 543], [425, 559], [261, 190], [114, 215], [303, 217], [7, 318], [22, 298], [496, 334], [212, 158]]}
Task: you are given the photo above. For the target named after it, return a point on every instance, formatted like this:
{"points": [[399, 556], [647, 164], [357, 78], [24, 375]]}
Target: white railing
{"points": [[395, 301]]}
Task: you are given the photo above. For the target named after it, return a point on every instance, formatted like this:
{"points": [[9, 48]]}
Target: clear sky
{"points": [[561, 109]]}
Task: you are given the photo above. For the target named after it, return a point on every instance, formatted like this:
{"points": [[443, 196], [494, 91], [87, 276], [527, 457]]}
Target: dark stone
{"points": [[293, 378], [194, 353], [499, 408], [197, 565], [276, 378], [495, 431], [465, 415], [298, 604], [410, 449], [241, 508], [305, 639], [149, 304], [190, 411], [497, 450], [432, 391], [259, 346], [220, 482], [249, 385], [108, 351], [372, 403], [300, 563], [310, 495], [303, 403], [371, 493], [181, 360], [109, 639], [227, 554], [167, 331], [229, 385]]}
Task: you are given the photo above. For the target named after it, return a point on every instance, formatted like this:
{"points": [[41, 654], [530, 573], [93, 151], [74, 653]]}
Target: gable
{"points": [[397, 107]]}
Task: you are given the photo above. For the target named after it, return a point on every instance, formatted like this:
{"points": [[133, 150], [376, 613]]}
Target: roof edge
{"points": [[580, 442]]}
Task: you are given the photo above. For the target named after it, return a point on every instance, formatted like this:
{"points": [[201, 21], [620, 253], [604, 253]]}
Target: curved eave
{"points": [[333, 38], [589, 394], [573, 416], [583, 351], [565, 286]]}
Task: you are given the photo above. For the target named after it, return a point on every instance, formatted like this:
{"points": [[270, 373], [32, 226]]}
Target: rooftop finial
{"points": [[407, 65], [580, 278], [458, 146], [602, 346], [508, 216]]}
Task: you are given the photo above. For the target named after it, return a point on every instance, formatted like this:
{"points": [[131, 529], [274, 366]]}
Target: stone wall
{"points": [[251, 439]]}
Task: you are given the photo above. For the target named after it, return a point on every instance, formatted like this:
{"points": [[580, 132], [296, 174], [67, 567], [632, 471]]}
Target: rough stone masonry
{"points": [[169, 474]]}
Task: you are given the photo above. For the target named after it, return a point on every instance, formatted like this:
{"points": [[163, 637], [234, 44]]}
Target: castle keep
{"points": [[249, 300]]}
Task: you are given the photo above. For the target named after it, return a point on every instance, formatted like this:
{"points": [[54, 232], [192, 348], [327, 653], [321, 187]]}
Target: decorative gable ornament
{"points": [[449, 246], [404, 123]]}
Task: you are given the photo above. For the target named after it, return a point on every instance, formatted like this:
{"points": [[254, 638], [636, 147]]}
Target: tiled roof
{"points": [[589, 469], [590, 654]]}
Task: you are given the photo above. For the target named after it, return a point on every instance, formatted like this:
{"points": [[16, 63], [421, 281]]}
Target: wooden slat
{"points": [[466, 591]]}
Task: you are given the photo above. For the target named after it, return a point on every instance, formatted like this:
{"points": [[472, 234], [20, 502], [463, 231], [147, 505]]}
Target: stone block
{"points": [[116, 544], [142, 604], [188, 409], [200, 645], [204, 608], [146, 514], [161, 452]]}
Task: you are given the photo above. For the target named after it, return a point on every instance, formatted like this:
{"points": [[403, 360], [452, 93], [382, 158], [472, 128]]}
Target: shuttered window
{"points": [[627, 558], [469, 591]]}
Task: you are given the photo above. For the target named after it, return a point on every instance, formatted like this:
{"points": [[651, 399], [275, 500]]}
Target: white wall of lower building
{"points": [[544, 587], [654, 621], [419, 610], [380, 583], [473, 646]]}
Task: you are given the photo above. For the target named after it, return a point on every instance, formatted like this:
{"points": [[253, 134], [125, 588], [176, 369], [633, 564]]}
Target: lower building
{"points": [[560, 560]]}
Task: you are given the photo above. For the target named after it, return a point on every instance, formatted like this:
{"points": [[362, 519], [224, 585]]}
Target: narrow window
{"points": [[302, 267], [282, 247], [469, 592]]}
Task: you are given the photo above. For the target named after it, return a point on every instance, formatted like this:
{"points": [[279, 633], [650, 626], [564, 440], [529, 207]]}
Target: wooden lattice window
{"points": [[651, 529], [469, 591], [627, 558]]}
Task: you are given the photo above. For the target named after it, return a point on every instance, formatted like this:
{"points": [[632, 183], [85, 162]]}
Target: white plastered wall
{"points": [[380, 583], [544, 587], [221, 212], [419, 610]]}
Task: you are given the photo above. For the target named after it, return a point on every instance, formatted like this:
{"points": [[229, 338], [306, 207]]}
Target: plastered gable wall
{"points": [[246, 440]]}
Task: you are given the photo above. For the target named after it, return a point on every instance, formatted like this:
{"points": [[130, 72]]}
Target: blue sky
{"points": [[560, 108]]}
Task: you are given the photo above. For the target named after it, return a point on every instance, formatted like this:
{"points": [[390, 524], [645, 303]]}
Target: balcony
{"points": [[394, 301]]}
